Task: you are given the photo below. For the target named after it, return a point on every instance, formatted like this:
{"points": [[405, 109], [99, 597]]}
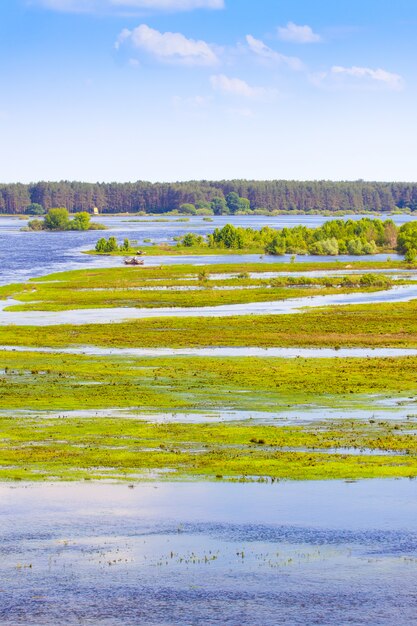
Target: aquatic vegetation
{"points": [[388, 325], [173, 287], [72, 449], [118, 448], [64, 381]]}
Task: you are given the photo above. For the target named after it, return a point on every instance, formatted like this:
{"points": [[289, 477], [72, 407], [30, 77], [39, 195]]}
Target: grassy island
{"points": [[59, 220], [362, 237], [176, 286]]}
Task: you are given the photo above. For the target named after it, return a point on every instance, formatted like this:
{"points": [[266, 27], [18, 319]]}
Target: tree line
{"points": [[222, 197], [354, 237]]}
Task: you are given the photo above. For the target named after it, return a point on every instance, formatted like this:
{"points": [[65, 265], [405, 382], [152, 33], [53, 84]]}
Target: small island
{"points": [[59, 220], [336, 237]]}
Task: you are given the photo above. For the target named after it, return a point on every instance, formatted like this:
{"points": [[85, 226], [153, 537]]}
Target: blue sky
{"points": [[207, 89]]}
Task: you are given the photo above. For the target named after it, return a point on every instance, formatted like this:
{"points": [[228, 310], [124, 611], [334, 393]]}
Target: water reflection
{"points": [[284, 353], [112, 315], [295, 553]]}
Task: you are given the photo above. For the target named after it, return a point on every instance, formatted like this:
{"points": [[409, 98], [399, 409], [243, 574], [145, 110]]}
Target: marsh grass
{"points": [[173, 287], [75, 382], [129, 449], [385, 325], [119, 449]]}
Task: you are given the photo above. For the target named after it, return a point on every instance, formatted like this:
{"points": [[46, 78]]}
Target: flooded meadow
{"points": [[161, 467]]}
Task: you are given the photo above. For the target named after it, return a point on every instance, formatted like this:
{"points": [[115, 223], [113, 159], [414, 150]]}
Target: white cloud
{"points": [[259, 48], [194, 102], [95, 6], [393, 81], [298, 34], [235, 87], [168, 47], [359, 77]]}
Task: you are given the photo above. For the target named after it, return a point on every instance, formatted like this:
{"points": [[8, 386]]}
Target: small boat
{"points": [[134, 261]]}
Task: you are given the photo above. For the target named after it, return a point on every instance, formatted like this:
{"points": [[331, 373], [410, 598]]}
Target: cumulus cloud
{"points": [[359, 76], [168, 47], [263, 51], [298, 34], [93, 6], [235, 87]]}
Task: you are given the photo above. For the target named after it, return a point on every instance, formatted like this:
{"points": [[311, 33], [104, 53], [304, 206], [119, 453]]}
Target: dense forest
{"points": [[223, 197]]}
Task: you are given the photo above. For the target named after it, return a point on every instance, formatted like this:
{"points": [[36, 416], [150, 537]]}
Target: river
{"points": [[25, 255], [327, 553]]}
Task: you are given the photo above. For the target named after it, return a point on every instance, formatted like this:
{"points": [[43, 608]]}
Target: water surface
{"points": [[118, 314], [290, 553], [25, 255], [226, 352]]}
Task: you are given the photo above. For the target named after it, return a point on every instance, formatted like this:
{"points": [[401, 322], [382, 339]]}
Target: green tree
{"points": [[35, 209], [188, 209], [81, 221], [411, 256], [57, 219], [244, 205], [191, 240], [112, 245], [219, 206], [233, 202], [407, 237], [101, 245]]}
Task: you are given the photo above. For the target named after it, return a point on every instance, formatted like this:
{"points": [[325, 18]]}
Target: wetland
{"points": [[198, 422]]}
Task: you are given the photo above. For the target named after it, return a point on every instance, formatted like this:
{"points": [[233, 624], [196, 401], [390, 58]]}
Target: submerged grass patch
{"points": [[57, 449], [384, 325], [56, 381], [173, 287], [108, 448], [55, 300]]}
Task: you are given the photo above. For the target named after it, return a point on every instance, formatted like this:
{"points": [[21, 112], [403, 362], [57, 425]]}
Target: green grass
{"points": [[168, 287], [43, 448], [72, 382], [173, 250], [56, 300], [72, 449], [385, 325]]}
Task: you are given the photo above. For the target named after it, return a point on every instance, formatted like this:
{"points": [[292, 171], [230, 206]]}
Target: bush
{"points": [[81, 221], [191, 240], [36, 225], [188, 209], [107, 246], [57, 219], [410, 255]]}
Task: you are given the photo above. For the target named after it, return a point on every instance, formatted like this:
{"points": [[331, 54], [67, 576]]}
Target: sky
{"points": [[167, 90]]}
